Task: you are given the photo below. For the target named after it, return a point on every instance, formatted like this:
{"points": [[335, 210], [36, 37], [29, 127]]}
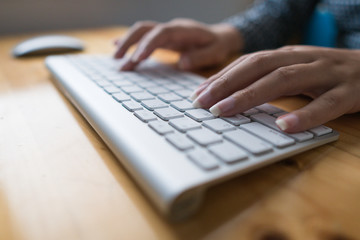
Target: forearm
{"points": [[271, 23]]}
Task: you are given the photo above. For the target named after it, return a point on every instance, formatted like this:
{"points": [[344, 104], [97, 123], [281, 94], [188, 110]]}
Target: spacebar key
{"points": [[274, 137]]}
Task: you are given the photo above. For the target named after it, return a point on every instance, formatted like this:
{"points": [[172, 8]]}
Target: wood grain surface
{"points": [[58, 180]]}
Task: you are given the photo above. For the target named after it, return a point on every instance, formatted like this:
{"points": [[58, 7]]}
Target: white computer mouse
{"points": [[48, 44]]}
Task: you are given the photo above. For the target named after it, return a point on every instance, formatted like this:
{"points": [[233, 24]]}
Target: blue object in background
{"points": [[322, 30]]}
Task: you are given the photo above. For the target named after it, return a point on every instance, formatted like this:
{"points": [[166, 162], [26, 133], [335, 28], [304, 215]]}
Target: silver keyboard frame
{"points": [[173, 183]]}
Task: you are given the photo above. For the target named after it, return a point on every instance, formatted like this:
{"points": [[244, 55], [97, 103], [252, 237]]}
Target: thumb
{"points": [[200, 58], [328, 106]]}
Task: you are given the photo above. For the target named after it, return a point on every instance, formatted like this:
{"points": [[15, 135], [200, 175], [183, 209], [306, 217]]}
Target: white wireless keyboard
{"points": [[173, 150]]}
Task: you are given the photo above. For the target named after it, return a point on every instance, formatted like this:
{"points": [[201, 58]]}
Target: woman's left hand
{"points": [[330, 76]]}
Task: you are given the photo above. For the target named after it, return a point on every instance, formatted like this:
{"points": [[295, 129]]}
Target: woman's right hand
{"points": [[200, 45]]}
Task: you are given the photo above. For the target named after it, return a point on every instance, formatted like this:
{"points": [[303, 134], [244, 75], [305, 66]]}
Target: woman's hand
{"points": [[330, 76], [200, 45]]}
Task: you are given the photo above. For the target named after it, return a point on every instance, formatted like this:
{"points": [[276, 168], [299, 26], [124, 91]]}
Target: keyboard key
{"points": [[111, 89], [269, 121], [228, 152], [153, 104], [250, 112], [132, 89], [204, 136], [274, 137], [320, 130], [168, 113], [180, 80], [180, 141], [145, 115], [192, 86], [104, 83], [237, 119], [123, 83], [195, 79], [157, 90], [120, 97], [182, 105], [218, 125], [184, 93], [169, 97], [162, 81], [136, 78], [203, 159], [184, 124], [249, 142], [173, 87], [115, 77], [161, 127], [199, 114], [279, 114], [96, 77], [269, 109], [131, 105], [147, 84], [139, 96]]}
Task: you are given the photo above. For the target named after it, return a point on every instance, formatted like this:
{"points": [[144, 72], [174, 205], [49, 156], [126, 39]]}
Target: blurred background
{"points": [[19, 16]]}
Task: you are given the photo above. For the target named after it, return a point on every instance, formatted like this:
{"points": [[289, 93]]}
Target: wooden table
{"points": [[59, 181]]}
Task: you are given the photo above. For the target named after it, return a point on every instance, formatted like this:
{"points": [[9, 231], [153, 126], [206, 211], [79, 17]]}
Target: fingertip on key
{"points": [[281, 123], [287, 121], [215, 110], [127, 66], [193, 96], [196, 104]]}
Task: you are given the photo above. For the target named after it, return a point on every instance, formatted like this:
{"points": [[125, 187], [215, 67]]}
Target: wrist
{"points": [[230, 37]]}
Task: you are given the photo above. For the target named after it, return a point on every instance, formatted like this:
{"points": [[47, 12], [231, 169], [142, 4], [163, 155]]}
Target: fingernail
{"points": [[223, 106], [204, 98], [287, 121], [194, 95], [197, 91], [281, 123], [196, 104], [215, 110]]}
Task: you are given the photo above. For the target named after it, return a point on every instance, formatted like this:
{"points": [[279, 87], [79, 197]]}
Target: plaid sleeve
{"points": [[270, 23]]}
